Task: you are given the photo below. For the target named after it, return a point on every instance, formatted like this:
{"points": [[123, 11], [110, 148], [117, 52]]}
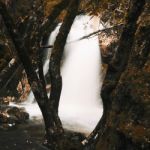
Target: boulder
{"points": [[11, 116]]}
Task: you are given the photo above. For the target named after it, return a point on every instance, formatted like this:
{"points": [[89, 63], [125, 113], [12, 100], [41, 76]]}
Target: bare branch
{"points": [[99, 32]]}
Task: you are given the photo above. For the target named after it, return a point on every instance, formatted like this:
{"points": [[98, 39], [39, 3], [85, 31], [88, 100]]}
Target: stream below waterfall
{"points": [[80, 105]]}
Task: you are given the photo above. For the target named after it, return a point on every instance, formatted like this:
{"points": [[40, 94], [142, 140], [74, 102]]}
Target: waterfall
{"points": [[80, 105]]}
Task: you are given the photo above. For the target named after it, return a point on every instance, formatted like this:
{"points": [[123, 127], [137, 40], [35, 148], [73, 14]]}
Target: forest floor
{"points": [[28, 136]]}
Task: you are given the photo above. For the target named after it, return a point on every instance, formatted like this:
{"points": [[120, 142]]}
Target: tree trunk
{"points": [[35, 82], [55, 62], [124, 93], [57, 52]]}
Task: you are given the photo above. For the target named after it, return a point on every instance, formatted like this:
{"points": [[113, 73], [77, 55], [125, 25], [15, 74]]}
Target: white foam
{"points": [[80, 102]]}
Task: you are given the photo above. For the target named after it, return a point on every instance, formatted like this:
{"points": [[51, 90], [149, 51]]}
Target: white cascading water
{"points": [[80, 105]]}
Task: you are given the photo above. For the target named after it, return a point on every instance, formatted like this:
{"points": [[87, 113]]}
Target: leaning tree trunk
{"points": [[125, 91], [36, 86], [57, 53], [35, 82], [55, 64], [49, 107]]}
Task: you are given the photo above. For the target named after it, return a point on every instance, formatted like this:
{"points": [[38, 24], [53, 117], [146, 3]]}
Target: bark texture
{"points": [[36, 82], [57, 52], [124, 124]]}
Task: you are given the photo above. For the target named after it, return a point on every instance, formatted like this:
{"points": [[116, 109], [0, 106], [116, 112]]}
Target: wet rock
{"points": [[3, 118], [18, 113], [4, 101], [11, 116]]}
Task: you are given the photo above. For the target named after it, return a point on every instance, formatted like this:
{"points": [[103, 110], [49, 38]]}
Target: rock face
{"points": [[127, 121]]}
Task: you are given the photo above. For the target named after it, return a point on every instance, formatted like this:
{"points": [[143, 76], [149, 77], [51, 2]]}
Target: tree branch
{"points": [[99, 32], [8, 72]]}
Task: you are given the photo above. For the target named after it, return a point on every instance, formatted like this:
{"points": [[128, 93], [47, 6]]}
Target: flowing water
{"points": [[80, 105]]}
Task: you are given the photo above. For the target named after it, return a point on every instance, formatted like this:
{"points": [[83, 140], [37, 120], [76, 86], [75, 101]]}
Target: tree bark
{"points": [[125, 94], [57, 52], [37, 87], [117, 67], [55, 59], [127, 124]]}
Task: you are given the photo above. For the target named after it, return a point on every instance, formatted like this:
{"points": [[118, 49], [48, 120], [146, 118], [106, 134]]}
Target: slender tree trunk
{"points": [[57, 52], [55, 61]]}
